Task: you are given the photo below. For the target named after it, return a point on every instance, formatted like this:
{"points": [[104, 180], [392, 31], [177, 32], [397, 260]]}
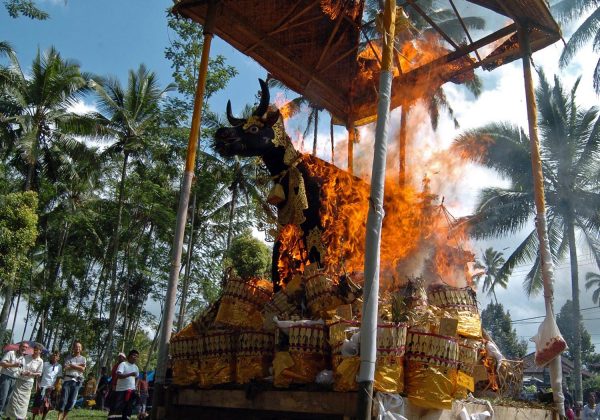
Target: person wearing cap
{"points": [[72, 379], [11, 365], [113, 380], [125, 391]]}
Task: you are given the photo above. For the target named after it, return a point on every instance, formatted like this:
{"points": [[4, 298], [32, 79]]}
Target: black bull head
{"points": [[263, 134], [248, 137]]}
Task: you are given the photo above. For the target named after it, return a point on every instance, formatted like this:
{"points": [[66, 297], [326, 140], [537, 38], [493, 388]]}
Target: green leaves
{"points": [[498, 324], [27, 8], [18, 232], [249, 256]]}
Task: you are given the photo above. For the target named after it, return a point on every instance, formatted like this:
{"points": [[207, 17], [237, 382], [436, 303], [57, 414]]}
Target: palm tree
{"points": [[37, 109], [130, 115], [492, 262], [569, 10], [569, 148], [36, 121], [593, 280]]}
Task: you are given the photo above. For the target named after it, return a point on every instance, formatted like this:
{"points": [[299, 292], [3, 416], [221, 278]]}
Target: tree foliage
{"points": [[27, 8], [18, 232], [498, 325], [565, 320], [249, 256], [491, 275], [588, 30], [122, 161]]}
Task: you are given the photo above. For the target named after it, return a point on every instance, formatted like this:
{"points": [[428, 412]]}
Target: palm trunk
{"points": [[35, 325], [26, 318], [154, 344], [316, 122], [8, 298], [113, 281], [332, 141], [576, 350], [52, 283], [29, 180], [234, 194], [351, 135], [12, 329]]}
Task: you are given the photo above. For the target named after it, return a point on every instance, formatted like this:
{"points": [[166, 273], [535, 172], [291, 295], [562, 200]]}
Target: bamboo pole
{"points": [[368, 329], [540, 206], [184, 198]]}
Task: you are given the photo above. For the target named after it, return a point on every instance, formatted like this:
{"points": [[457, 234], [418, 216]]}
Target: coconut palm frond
{"points": [[584, 33]]}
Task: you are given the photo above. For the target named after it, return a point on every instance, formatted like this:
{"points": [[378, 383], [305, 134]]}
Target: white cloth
{"points": [[74, 374], [49, 375], [12, 357], [33, 366], [129, 382], [19, 399]]}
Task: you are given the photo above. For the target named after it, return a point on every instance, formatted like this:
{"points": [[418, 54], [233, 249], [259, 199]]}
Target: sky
{"points": [[110, 37]]}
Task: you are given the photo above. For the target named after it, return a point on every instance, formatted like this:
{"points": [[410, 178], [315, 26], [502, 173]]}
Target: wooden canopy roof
{"points": [[317, 48]]}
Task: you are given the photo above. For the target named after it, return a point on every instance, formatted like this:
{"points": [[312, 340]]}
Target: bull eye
{"points": [[253, 129]]}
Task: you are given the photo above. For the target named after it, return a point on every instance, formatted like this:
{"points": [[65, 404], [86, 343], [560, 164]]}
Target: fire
{"points": [[292, 252], [417, 236]]}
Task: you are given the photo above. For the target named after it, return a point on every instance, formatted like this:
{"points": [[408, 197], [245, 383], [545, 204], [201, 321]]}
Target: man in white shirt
{"points": [[11, 365], [125, 395], [591, 411], [19, 399], [73, 378], [42, 402]]}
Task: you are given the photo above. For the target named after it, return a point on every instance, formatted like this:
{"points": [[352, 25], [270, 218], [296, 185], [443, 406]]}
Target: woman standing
{"points": [[19, 400]]}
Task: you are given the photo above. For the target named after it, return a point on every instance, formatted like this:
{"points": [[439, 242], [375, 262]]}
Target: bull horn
{"points": [[233, 120], [264, 99]]}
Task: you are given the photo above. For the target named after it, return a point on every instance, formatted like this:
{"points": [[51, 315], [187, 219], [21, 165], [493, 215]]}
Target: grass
{"points": [[78, 413]]}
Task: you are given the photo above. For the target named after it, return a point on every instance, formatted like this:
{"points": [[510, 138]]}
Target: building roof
{"points": [[319, 49], [530, 368]]}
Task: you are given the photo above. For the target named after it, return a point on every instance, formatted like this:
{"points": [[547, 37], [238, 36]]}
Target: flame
{"points": [[292, 252], [417, 236]]}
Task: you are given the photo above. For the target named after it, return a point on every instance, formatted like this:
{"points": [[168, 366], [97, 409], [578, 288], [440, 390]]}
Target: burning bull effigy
{"points": [[303, 326]]}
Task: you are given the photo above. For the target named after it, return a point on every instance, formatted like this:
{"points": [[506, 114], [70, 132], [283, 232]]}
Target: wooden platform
{"points": [[221, 404], [276, 404]]}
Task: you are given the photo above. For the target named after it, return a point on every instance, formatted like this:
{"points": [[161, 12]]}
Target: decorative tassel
{"points": [[276, 195]]}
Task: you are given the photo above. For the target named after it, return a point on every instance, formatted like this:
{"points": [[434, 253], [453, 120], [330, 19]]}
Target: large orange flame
{"points": [[419, 238]]}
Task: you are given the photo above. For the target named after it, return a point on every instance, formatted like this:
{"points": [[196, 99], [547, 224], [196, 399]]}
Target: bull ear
{"points": [[233, 120], [265, 97], [271, 118]]}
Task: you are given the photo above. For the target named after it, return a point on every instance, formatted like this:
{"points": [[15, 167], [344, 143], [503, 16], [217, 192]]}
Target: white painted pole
{"points": [[368, 329]]}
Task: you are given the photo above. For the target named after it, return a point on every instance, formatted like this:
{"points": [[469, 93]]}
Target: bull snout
{"points": [[227, 141], [226, 133]]}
